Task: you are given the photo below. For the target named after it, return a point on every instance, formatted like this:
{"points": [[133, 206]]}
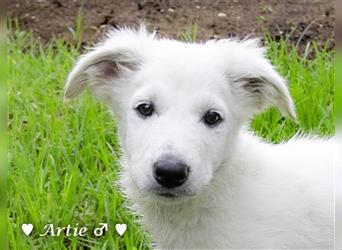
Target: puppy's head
{"points": [[178, 106]]}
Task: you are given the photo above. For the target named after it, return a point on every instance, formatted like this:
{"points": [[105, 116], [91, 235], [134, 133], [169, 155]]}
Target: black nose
{"points": [[170, 172]]}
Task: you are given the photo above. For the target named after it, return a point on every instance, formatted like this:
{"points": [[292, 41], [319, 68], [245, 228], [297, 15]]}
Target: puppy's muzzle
{"points": [[170, 172]]}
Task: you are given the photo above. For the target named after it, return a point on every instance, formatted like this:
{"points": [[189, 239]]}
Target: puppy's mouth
{"points": [[167, 195], [164, 194]]}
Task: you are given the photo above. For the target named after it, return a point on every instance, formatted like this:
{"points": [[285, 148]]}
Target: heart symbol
{"points": [[27, 228], [121, 228]]}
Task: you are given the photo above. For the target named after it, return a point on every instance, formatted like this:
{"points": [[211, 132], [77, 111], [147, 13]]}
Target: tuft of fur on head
{"points": [[254, 80]]}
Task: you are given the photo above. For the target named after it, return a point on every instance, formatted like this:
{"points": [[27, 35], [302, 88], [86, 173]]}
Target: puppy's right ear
{"points": [[99, 69]]}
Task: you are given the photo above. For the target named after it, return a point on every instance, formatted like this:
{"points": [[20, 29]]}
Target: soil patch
{"points": [[302, 21]]}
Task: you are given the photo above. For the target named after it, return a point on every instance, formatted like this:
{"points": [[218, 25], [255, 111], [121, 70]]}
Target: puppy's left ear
{"points": [[100, 70], [105, 68], [258, 85]]}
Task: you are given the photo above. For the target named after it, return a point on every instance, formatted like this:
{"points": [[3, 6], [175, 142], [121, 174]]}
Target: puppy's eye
{"points": [[212, 118], [145, 109]]}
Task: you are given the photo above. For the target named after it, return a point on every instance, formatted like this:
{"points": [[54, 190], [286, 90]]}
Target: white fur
{"points": [[242, 192]]}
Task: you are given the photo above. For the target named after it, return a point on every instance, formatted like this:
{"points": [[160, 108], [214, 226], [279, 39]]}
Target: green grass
{"points": [[64, 159], [3, 137], [312, 86]]}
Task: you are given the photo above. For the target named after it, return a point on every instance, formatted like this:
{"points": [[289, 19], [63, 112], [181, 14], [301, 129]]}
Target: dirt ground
{"points": [[302, 20]]}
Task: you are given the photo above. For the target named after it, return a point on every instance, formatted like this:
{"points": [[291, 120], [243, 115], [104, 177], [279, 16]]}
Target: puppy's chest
{"points": [[209, 225], [191, 228]]}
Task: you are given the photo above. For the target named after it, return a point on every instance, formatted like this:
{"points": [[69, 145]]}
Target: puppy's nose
{"points": [[170, 172]]}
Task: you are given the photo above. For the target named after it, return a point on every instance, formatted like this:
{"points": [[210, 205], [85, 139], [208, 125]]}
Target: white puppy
{"points": [[197, 177]]}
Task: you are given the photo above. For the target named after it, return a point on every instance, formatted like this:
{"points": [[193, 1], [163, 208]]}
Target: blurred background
{"points": [[300, 21]]}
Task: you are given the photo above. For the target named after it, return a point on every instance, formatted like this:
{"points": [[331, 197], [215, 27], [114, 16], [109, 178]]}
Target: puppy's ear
{"points": [[107, 65], [258, 85], [98, 70]]}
